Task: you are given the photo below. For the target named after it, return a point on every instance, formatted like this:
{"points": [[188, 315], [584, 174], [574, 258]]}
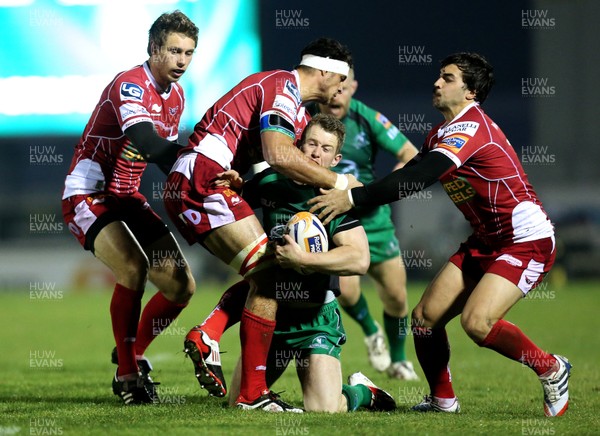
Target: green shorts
{"points": [[381, 234], [301, 332]]}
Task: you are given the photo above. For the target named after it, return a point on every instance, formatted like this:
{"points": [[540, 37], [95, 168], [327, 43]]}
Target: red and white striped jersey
{"points": [[489, 185], [105, 159]]}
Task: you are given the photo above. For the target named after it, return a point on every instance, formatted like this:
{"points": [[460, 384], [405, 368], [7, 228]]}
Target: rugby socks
{"points": [[396, 329], [508, 340], [255, 337], [125, 307], [359, 312], [156, 317], [433, 352], [357, 396], [227, 312]]}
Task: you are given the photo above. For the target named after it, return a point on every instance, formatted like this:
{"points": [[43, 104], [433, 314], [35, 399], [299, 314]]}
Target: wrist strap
{"points": [[341, 182], [350, 197]]}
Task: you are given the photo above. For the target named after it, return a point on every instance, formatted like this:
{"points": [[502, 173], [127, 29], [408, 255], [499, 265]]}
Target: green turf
{"points": [[55, 374]]}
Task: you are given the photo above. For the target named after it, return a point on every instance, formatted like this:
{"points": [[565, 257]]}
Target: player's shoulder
{"points": [[135, 75], [270, 75], [473, 122], [372, 116], [359, 106], [129, 84]]}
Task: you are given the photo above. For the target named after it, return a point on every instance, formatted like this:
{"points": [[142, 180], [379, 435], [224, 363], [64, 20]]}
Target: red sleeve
{"points": [[130, 100]]}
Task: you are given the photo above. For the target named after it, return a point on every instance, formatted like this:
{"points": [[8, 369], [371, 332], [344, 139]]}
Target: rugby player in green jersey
{"points": [[368, 132], [309, 330]]}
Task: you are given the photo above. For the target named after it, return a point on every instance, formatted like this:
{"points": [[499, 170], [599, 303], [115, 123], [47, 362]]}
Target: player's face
{"points": [[321, 147], [169, 62], [332, 86], [449, 90], [341, 102]]}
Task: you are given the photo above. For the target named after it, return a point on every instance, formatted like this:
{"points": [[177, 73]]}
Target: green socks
{"points": [[357, 396], [396, 330], [360, 313]]}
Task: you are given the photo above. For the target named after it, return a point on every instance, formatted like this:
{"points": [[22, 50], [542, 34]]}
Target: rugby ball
{"points": [[308, 231]]}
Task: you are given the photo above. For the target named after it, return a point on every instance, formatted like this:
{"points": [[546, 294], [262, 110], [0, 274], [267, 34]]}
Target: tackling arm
{"points": [[151, 146], [281, 154], [402, 183]]}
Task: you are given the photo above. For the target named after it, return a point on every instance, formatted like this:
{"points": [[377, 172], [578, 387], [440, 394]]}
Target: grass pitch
{"points": [[56, 374]]}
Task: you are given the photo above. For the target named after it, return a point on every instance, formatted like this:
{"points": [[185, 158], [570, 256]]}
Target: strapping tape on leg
{"points": [[255, 257]]}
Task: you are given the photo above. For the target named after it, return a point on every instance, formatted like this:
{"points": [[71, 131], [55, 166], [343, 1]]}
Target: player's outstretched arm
{"points": [[151, 146], [281, 154], [395, 186], [349, 257]]}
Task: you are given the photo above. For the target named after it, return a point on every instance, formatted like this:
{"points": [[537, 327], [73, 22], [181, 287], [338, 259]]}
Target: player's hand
{"points": [[290, 254], [230, 179], [332, 203], [352, 181]]}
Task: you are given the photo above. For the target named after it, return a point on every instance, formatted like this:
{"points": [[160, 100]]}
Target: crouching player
{"points": [[309, 328]]}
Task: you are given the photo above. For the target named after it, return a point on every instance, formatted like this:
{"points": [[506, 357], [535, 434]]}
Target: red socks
{"points": [[156, 317], [228, 311], [508, 340], [433, 352], [125, 308], [255, 336]]}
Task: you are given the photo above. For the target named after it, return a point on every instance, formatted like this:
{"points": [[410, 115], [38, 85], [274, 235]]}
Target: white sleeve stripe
{"points": [[454, 158]]}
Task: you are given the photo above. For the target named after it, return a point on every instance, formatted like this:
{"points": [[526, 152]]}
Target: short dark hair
{"points": [[167, 23], [477, 73], [328, 48], [330, 124]]}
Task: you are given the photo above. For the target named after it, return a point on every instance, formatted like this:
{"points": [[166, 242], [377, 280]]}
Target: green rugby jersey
{"points": [[367, 131], [279, 198]]}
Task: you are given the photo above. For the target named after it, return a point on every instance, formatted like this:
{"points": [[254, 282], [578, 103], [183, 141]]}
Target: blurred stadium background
{"points": [[57, 56]]}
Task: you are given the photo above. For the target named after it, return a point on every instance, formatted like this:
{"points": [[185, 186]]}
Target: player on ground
{"points": [[367, 132], [510, 251], [309, 328], [135, 122], [257, 120]]}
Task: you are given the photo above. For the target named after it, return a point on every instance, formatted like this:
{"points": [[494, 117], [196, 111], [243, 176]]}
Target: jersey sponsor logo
{"points": [[459, 190], [291, 90], [131, 91], [286, 105], [455, 142], [510, 260], [466, 127], [393, 132], [129, 110], [233, 196], [383, 120], [156, 108], [361, 140]]}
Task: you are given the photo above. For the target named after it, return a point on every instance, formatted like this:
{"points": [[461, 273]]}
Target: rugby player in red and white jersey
{"points": [[510, 251], [259, 119], [135, 122]]}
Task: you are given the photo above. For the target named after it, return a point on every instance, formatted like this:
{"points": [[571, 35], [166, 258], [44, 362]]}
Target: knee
{"points": [[395, 302], [187, 285], [323, 405], [183, 285], [422, 317], [476, 326]]}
